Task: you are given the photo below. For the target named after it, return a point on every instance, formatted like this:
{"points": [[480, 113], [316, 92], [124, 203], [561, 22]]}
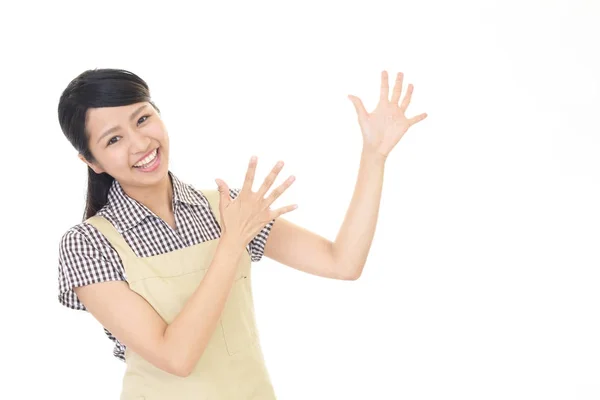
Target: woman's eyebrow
{"points": [[114, 128]]}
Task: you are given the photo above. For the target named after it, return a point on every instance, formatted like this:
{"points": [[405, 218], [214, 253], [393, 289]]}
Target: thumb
{"points": [[223, 191], [358, 106]]}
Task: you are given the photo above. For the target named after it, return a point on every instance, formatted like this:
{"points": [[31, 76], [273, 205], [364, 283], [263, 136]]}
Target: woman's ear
{"points": [[94, 167]]}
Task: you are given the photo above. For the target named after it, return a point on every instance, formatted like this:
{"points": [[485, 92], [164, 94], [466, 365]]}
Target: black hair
{"points": [[96, 88]]}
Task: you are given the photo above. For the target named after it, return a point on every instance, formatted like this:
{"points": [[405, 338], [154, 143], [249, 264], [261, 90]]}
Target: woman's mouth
{"points": [[149, 163]]}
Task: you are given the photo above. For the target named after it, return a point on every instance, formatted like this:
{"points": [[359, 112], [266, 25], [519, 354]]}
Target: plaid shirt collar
{"points": [[128, 212]]}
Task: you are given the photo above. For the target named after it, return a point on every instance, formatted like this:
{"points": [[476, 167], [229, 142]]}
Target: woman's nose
{"points": [[139, 143]]}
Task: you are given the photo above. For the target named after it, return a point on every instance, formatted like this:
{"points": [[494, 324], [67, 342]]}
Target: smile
{"points": [[148, 161]]}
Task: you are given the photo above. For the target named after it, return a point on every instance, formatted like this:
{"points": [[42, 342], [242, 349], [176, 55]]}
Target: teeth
{"points": [[147, 160]]}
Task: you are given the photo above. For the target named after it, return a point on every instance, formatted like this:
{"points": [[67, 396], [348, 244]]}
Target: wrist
{"points": [[373, 157], [232, 242]]}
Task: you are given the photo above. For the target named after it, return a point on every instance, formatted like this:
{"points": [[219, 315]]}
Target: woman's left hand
{"points": [[384, 127]]}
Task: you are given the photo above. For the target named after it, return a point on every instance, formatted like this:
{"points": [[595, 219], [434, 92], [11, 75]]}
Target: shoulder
{"points": [[85, 257], [83, 235], [85, 242]]}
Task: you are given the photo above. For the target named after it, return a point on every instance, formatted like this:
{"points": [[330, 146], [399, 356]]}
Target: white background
{"points": [[482, 281]]}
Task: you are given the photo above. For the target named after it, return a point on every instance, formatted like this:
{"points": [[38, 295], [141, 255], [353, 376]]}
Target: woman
{"points": [[171, 285]]}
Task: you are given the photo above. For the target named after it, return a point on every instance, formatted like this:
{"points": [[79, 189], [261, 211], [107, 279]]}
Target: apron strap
{"points": [[213, 197], [114, 237]]}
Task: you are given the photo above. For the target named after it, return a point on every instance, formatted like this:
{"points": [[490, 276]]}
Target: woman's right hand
{"points": [[245, 216]]}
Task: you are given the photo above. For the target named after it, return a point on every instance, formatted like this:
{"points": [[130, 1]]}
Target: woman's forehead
{"points": [[101, 119], [124, 112]]}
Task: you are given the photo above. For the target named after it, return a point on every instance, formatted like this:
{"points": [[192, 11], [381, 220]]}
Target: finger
{"points": [[407, 97], [249, 180], [397, 88], [270, 179], [283, 210], [385, 87], [223, 192], [280, 189], [358, 106], [416, 119]]}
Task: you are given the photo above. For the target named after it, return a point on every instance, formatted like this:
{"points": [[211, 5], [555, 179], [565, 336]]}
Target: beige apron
{"points": [[232, 365]]}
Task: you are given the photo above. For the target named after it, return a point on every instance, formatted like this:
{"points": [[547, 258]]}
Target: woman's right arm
{"points": [[177, 347]]}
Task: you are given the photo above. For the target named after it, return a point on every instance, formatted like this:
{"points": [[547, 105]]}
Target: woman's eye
{"points": [[145, 116], [111, 141]]}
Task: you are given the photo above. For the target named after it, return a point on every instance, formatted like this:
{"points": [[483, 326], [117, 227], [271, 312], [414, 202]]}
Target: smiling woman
{"points": [[164, 267]]}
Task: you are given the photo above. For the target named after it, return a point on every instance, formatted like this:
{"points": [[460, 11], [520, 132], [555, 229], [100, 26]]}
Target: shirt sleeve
{"points": [[256, 246], [83, 260]]}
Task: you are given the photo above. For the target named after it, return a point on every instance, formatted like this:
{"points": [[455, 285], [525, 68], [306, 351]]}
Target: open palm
{"points": [[384, 127]]}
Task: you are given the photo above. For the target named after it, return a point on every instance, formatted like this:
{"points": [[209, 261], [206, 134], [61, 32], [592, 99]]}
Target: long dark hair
{"points": [[96, 88]]}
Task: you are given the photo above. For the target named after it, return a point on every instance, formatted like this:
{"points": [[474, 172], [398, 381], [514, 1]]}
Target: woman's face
{"points": [[123, 138]]}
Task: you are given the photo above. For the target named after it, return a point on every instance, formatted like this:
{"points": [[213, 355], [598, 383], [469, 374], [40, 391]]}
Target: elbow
{"points": [[345, 271], [184, 373], [183, 365], [352, 274], [181, 359], [179, 364], [352, 277], [179, 368]]}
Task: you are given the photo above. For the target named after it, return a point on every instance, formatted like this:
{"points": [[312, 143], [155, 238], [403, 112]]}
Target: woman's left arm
{"points": [[345, 258]]}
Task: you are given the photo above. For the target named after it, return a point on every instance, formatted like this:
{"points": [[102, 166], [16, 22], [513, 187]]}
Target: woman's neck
{"points": [[157, 198]]}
